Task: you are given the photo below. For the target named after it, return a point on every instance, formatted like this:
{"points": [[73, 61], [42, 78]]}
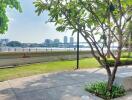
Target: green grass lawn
{"points": [[38, 68], [47, 67]]}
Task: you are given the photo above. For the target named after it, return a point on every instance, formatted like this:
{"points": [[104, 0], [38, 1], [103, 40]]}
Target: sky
{"points": [[27, 27]]}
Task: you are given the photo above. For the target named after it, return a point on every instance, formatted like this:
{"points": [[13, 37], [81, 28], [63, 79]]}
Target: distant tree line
{"points": [[19, 44]]}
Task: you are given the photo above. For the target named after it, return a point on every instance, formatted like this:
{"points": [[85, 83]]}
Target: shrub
{"points": [[123, 61], [100, 89], [126, 55]]}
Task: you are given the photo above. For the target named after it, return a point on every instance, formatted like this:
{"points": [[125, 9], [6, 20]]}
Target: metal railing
{"points": [[38, 49]]}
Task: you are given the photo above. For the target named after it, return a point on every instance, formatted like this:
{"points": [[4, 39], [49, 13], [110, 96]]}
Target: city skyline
{"points": [[66, 39], [69, 39]]}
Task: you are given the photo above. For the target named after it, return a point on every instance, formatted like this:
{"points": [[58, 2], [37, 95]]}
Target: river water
{"points": [[42, 49]]}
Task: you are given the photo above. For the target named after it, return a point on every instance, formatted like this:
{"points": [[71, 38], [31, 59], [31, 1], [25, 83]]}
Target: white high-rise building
{"points": [[71, 40], [65, 40]]}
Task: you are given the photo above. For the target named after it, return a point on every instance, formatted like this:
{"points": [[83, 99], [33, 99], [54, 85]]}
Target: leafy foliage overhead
{"points": [[88, 12], [3, 17]]}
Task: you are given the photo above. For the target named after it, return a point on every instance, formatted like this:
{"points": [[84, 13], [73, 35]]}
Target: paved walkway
{"points": [[56, 86]]}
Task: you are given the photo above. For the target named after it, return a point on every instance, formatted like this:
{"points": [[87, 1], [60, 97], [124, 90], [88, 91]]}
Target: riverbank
{"points": [[9, 59], [6, 55]]}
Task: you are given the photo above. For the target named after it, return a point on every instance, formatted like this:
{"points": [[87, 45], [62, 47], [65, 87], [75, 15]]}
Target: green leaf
{"points": [[3, 17]]}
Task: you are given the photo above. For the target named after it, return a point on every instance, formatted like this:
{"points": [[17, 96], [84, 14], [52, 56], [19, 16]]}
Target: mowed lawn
{"points": [[47, 67]]}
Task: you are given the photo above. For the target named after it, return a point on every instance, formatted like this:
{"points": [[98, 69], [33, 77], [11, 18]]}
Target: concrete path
{"points": [[56, 86]]}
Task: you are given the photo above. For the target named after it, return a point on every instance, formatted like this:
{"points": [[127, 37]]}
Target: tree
{"points": [[89, 18], [3, 17], [14, 44]]}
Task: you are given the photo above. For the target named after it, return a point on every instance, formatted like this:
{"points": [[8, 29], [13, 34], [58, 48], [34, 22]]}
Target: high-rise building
{"points": [[71, 40], [65, 40]]}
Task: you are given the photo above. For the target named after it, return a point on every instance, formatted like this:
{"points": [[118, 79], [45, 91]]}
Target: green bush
{"points": [[100, 89], [123, 61], [126, 55]]}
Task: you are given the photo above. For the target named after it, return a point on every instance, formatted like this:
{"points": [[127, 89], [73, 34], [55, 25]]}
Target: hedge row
{"points": [[123, 61]]}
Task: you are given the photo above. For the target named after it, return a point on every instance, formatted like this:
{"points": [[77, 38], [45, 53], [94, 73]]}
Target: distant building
{"points": [[48, 43], [56, 42], [71, 43], [65, 40], [71, 40], [3, 42]]}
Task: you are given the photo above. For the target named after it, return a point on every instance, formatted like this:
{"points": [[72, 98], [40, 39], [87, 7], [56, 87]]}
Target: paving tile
{"points": [[6, 92], [41, 83], [73, 92], [128, 96], [88, 77], [8, 96], [4, 85], [32, 95]]}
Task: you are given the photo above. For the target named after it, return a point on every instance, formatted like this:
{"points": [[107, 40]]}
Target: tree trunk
{"points": [[111, 77], [109, 84]]}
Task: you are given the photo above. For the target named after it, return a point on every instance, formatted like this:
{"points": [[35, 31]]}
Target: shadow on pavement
{"points": [[57, 86]]}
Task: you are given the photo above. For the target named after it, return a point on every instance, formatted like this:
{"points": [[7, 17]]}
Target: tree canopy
{"points": [[92, 19], [14, 44], [3, 16]]}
